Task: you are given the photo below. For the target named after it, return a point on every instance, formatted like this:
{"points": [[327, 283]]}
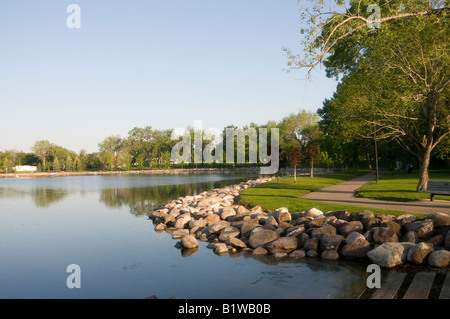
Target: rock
{"points": [[313, 212], [221, 249], [197, 223], [160, 227], [384, 235], [356, 226], [295, 231], [316, 222], [212, 219], [178, 233], [436, 240], [344, 215], [311, 244], [298, 254], [260, 251], [330, 254], [261, 236], [217, 227], [283, 245], [271, 221], [419, 252], [411, 237], [423, 228], [282, 216], [227, 212], [356, 246], [353, 236], [389, 255], [237, 243], [242, 210], [405, 219], [319, 232], [396, 227], [439, 258], [440, 219], [447, 241], [189, 241], [362, 216], [331, 241], [370, 223], [229, 232], [312, 253], [246, 227]]}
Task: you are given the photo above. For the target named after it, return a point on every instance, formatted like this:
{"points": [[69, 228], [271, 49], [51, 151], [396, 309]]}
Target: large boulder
{"points": [[344, 215], [419, 252], [389, 255], [440, 219], [283, 245], [356, 246], [227, 212], [189, 241], [229, 232], [326, 229], [363, 216], [383, 235], [350, 227], [311, 244], [261, 236], [314, 212], [331, 241], [439, 258], [217, 227], [423, 228], [182, 220]]}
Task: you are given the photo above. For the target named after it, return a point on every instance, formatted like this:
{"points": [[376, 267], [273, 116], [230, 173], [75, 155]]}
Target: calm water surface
{"points": [[100, 224]]}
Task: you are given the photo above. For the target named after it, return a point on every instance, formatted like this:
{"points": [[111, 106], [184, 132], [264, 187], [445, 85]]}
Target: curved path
{"points": [[343, 193]]}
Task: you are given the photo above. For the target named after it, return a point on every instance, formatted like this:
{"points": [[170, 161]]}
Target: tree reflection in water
{"points": [[142, 200]]}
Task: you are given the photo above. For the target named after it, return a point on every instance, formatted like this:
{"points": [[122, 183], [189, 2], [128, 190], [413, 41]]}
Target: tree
{"points": [[399, 70], [312, 152], [42, 149], [69, 165], [295, 158], [56, 166], [111, 149]]}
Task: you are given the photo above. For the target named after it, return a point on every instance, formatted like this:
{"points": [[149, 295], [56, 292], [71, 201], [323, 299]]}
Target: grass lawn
{"points": [[401, 187], [286, 193]]}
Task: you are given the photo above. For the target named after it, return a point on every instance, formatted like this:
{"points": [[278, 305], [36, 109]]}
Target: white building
{"points": [[25, 168]]}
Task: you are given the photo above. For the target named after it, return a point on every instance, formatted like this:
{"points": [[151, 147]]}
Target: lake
{"points": [[100, 223]]}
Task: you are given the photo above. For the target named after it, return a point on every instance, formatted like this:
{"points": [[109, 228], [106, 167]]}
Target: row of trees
{"points": [[306, 140]]}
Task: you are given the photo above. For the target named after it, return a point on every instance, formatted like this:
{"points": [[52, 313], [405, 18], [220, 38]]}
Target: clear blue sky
{"points": [[163, 63]]}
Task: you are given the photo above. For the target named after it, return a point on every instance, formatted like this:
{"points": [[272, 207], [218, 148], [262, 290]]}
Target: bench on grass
{"points": [[437, 188]]}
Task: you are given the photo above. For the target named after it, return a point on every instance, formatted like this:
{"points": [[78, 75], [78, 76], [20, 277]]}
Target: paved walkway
{"points": [[343, 193]]}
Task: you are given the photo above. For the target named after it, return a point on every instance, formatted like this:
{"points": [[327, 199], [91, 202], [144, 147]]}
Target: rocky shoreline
{"points": [[217, 217]]}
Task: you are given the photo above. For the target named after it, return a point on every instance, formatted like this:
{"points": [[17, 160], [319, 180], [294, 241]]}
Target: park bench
{"points": [[437, 188]]}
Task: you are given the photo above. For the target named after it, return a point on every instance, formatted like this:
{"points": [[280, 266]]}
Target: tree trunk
{"points": [[424, 162], [295, 174], [312, 169]]}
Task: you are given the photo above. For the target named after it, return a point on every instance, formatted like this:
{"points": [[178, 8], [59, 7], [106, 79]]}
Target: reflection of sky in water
{"points": [[87, 221]]}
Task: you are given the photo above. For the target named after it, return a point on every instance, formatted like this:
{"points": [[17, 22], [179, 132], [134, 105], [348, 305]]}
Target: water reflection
{"points": [[138, 193], [142, 200]]}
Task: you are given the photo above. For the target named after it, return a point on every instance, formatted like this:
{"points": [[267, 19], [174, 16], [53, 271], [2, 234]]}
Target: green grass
{"points": [[286, 193], [401, 187]]}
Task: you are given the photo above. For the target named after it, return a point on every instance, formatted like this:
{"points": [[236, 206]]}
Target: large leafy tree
{"points": [[395, 81]]}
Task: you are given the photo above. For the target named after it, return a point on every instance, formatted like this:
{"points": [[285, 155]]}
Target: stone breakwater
{"points": [[217, 217]]}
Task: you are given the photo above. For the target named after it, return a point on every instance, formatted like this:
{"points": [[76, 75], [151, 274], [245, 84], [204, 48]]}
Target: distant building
{"points": [[25, 168]]}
